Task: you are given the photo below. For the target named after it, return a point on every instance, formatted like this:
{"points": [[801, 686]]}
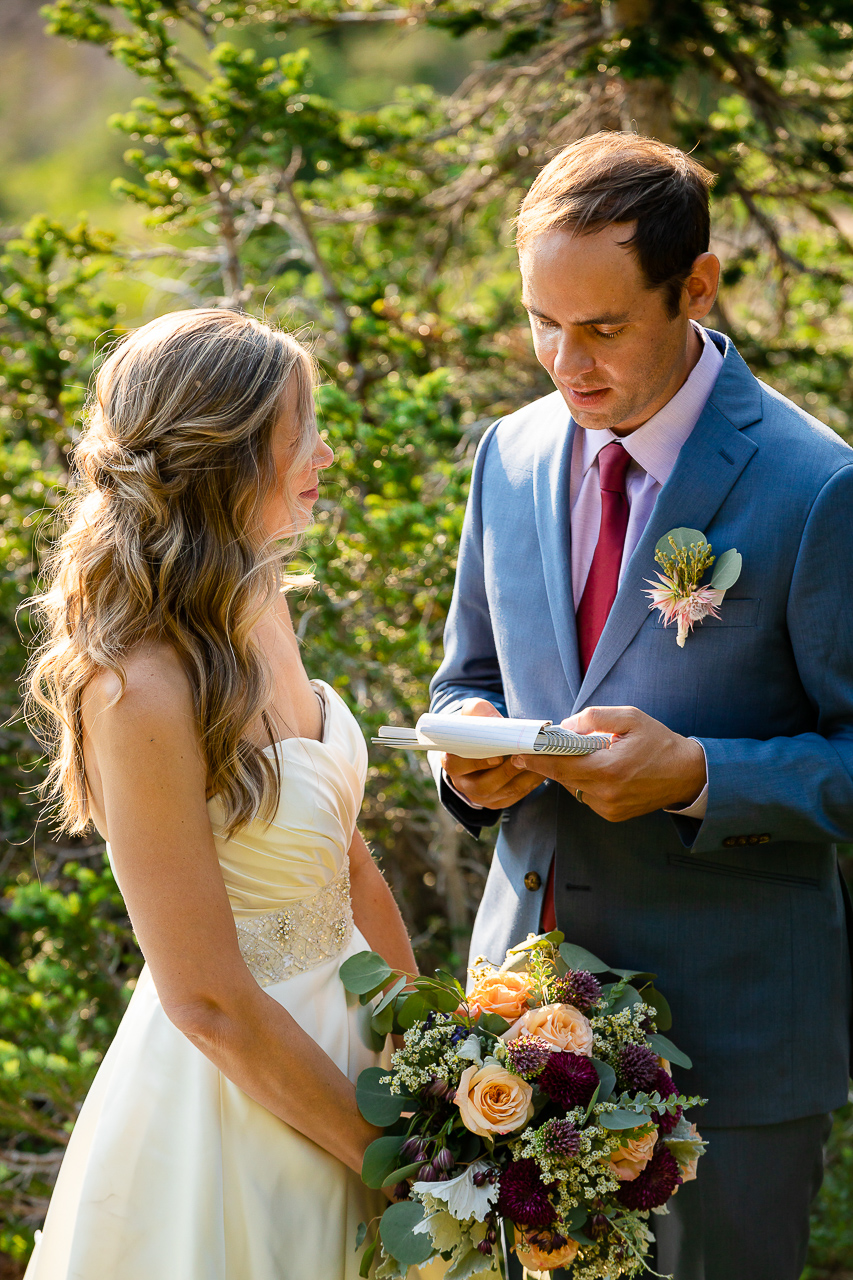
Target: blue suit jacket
{"points": [[741, 914]]}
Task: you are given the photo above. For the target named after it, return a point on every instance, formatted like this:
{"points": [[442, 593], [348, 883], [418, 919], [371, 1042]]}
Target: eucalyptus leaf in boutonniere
{"points": [[685, 555]]}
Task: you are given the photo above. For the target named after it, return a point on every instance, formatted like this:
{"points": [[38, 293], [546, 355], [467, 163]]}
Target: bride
{"points": [[220, 1139]]}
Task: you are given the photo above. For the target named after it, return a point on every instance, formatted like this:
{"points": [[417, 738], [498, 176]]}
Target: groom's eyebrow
{"points": [[609, 317]]}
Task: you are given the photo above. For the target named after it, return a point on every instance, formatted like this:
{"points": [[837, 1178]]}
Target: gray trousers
{"points": [[746, 1217]]}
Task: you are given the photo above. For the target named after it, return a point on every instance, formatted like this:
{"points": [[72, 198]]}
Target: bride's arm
{"points": [[148, 780], [376, 913]]}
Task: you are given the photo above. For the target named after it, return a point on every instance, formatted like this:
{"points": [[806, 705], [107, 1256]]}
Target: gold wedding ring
{"points": [[578, 795]]}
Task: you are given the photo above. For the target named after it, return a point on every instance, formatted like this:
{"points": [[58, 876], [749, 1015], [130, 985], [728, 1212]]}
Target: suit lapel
{"points": [[710, 461], [551, 476]]}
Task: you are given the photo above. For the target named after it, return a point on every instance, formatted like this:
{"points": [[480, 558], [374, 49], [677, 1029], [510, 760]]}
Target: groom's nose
{"points": [[573, 358]]}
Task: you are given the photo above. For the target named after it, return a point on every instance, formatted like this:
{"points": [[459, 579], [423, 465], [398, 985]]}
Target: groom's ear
{"points": [[701, 285]]}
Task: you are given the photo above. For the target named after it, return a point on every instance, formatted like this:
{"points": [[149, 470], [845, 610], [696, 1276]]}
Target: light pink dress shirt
{"points": [[654, 448]]}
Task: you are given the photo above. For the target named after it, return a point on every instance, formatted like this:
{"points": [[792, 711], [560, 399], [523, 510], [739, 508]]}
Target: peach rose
{"points": [[628, 1161], [502, 993], [561, 1026], [492, 1100], [535, 1259]]}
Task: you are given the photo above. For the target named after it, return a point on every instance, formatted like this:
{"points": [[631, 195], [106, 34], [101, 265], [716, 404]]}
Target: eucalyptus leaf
{"points": [[621, 1119], [367, 1258], [380, 1159], [399, 1175], [576, 1219], [452, 982], [628, 997], [666, 1049], [392, 993], [639, 975], [364, 971], [382, 1023], [726, 570], [438, 996], [660, 1004], [607, 1078], [682, 538], [361, 1232], [396, 1230], [493, 1022], [375, 1101], [413, 1009], [579, 958]]}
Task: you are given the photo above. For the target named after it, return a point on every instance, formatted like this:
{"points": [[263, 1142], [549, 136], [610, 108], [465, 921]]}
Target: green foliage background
{"points": [[350, 170]]}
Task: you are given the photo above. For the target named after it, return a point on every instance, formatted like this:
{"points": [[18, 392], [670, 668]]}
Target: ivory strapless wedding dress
{"points": [[172, 1172]]}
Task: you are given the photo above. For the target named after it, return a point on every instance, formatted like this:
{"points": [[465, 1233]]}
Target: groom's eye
{"points": [[609, 333]]}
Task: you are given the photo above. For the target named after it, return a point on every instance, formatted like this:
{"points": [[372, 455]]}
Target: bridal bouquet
{"points": [[541, 1102]]}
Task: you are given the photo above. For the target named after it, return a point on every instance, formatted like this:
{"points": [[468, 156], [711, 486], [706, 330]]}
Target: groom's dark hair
{"points": [[610, 178]]}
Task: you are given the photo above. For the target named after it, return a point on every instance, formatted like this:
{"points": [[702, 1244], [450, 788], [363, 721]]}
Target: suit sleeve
{"points": [[470, 668], [799, 788]]}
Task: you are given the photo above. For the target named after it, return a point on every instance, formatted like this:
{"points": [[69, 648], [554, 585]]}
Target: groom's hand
{"points": [[647, 766], [493, 783]]}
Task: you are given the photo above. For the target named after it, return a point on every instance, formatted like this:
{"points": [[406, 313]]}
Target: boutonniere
{"points": [[684, 555]]}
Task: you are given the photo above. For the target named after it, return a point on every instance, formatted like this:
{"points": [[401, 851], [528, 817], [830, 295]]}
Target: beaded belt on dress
{"points": [[279, 944]]}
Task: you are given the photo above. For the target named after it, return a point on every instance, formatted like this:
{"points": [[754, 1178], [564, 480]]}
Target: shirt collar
{"points": [[656, 444]]}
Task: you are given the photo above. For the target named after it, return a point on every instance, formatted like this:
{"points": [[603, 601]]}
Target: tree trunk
{"points": [[646, 104]]}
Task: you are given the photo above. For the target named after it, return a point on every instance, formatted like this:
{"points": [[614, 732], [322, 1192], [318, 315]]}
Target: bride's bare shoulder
{"points": [[155, 688]]}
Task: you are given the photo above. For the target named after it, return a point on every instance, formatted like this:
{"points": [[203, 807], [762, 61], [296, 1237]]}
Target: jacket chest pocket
{"points": [[736, 612]]}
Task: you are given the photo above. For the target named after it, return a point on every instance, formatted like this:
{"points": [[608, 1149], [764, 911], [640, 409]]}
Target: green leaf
{"points": [[606, 1076], [361, 1232], [592, 1102], [440, 999], [405, 1171], [452, 982], [395, 1228], [682, 539], [380, 1159], [628, 997], [364, 972], [660, 1004], [576, 1219], [391, 994], [666, 1049], [726, 570], [579, 958], [639, 976], [375, 1101], [367, 1257], [413, 1009], [492, 1022], [621, 1119], [383, 1023]]}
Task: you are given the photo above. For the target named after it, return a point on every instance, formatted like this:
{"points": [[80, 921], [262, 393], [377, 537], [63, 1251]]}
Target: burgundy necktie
{"points": [[601, 586], [600, 590]]}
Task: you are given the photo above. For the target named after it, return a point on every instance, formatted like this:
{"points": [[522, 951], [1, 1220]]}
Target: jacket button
{"points": [[765, 839], [533, 881], [730, 842]]}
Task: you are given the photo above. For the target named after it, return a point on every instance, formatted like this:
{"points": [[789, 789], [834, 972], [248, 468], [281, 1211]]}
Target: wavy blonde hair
{"points": [[163, 542]]}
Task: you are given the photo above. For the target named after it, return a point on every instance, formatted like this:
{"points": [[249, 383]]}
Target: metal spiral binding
{"points": [[563, 742]]}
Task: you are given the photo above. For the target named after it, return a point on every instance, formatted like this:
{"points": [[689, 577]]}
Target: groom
{"points": [[701, 845]]}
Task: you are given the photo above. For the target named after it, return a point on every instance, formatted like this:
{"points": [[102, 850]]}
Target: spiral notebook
{"points": [[479, 737]]}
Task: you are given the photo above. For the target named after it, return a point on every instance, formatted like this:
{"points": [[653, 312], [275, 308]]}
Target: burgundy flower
{"points": [[527, 1057], [523, 1197], [655, 1184], [577, 988], [665, 1086], [560, 1138], [637, 1068], [569, 1079]]}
